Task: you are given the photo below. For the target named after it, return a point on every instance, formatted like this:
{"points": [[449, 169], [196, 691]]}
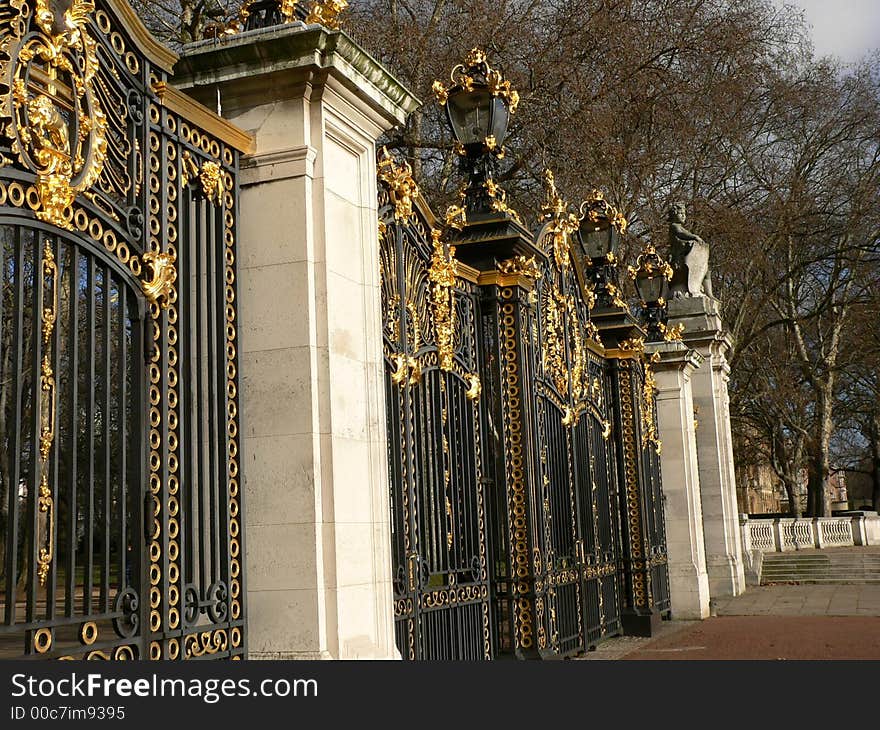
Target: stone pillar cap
{"points": [[279, 55]]}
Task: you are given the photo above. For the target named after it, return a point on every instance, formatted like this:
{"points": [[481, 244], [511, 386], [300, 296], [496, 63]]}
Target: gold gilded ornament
{"points": [[442, 274], [158, 286], [399, 179], [55, 122], [211, 179]]}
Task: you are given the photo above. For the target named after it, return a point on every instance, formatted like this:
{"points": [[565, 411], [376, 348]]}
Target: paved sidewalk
{"points": [[769, 637], [803, 600], [782, 621]]}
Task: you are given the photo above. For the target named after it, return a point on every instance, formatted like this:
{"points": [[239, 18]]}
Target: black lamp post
{"points": [[478, 104], [651, 276], [600, 231]]}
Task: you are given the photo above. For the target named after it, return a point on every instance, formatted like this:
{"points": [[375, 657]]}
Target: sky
{"points": [[844, 28]]}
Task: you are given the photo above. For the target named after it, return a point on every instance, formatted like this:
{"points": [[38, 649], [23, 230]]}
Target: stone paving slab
{"points": [[803, 600]]}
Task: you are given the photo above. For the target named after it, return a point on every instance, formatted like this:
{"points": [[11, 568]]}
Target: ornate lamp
{"points": [[600, 231], [651, 276], [479, 103]]}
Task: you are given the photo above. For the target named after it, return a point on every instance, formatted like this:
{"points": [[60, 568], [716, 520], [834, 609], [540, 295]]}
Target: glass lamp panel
{"points": [[470, 115], [500, 119], [650, 287], [598, 244]]}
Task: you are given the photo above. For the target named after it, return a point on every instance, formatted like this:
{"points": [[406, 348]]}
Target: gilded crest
{"points": [[53, 117]]}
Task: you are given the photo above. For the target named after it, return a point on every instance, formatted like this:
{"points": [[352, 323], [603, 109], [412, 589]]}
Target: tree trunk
{"points": [[821, 470], [794, 504], [875, 461]]}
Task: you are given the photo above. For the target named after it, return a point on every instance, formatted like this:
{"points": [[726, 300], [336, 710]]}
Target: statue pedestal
{"points": [[704, 332], [688, 579]]}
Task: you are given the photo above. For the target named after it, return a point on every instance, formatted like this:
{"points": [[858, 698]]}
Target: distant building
{"points": [[759, 491]]}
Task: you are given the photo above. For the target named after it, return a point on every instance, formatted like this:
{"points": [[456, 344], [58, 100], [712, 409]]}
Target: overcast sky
{"points": [[845, 28]]}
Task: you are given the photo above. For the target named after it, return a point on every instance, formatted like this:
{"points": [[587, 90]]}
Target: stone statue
{"points": [[689, 257]]}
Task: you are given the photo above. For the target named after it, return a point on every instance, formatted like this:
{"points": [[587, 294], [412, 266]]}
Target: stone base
{"points": [[289, 655], [640, 624], [726, 576], [689, 593]]}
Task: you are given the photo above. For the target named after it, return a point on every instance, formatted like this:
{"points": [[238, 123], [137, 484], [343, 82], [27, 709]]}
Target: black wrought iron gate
{"points": [[433, 391], [120, 504], [525, 487]]}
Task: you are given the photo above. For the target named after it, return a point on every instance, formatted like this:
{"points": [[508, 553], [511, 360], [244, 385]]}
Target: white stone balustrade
{"points": [[795, 534], [833, 531], [759, 535], [786, 534]]}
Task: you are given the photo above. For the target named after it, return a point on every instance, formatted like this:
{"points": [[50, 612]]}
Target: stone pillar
{"points": [[705, 333], [688, 579], [318, 517]]}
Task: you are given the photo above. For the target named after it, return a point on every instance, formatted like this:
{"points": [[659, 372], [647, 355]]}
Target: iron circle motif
{"points": [[54, 119]]}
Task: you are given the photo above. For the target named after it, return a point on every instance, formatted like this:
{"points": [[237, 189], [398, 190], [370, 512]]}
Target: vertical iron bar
{"points": [[88, 575], [53, 464], [187, 387], [72, 476], [202, 435], [15, 433], [140, 428], [34, 486], [215, 390], [105, 426], [122, 438]]}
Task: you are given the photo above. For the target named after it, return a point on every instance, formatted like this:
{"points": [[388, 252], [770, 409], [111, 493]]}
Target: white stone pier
{"points": [[318, 514], [688, 579], [705, 333]]}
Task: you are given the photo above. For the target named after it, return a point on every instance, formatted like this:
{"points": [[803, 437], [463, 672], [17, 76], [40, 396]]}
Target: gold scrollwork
{"points": [[211, 178], [460, 76], [562, 223], [673, 333], [158, 286], [498, 200], [475, 387], [524, 266], [597, 209], [649, 389], [45, 501], [206, 642], [412, 566], [442, 273], [326, 13]]}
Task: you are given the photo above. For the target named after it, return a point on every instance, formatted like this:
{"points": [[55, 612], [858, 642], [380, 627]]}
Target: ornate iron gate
{"points": [[497, 373], [563, 543], [435, 433], [645, 581], [119, 466]]}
